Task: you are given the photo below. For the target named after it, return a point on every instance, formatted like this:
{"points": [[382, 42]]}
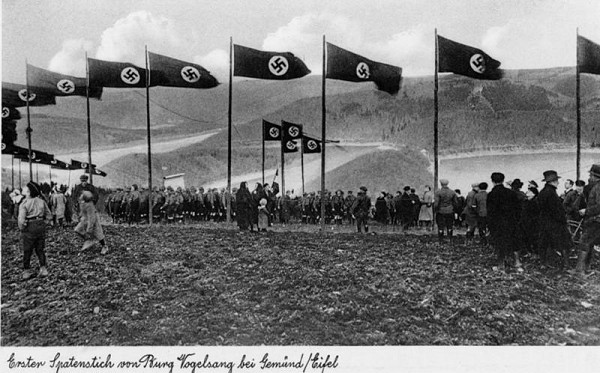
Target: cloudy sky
{"points": [[55, 34]]}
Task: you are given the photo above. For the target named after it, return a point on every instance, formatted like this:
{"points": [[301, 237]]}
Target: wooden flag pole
{"points": [[263, 153], [12, 170], [89, 124], [577, 104], [282, 163], [150, 217], [435, 118], [302, 161], [29, 129], [229, 124], [323, 134]]}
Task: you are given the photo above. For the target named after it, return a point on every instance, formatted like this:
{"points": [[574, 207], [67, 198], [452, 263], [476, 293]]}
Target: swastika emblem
{"points": [[278, 65], [290, 145], [84, 165], [53, 161], [130, 75], [294, 131], [311, 145], [5, 112], [3, 146], [23, 95], [65, 86], [33, 155], [274, 132], [362, 71], [190, 74], [477, 63]]}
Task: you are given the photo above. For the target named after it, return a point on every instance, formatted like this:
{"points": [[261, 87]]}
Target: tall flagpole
{"points": [[435, 117], [302, 162], [282, 164], [20, 182], [50, 174], [229, 124], [89, 124], [37, 174], [12, 169], [263, 152], [29, 130], [577, 100], [323, 133], [150, 218]]}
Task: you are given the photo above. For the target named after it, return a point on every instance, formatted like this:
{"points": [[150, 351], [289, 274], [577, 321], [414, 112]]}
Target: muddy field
{"points": [[211, 285]]}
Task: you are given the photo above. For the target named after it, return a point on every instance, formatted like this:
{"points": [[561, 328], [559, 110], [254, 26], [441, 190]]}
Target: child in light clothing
{"points": [[263, 215], [89, 227]]}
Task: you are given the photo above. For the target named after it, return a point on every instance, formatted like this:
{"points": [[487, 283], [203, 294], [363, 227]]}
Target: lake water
{"points": [[462, 172]]}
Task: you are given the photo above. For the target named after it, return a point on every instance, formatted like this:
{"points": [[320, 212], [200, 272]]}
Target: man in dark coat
{"points": [[360, 209], [243, 205], [554, 235], [591, 221], [502, 205], [406, 208]]}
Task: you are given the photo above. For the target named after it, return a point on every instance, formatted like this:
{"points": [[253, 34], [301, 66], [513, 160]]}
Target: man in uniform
{"points": [[591, 221], [348, 202]]}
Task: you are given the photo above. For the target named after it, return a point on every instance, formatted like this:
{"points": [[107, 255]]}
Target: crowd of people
{"points": [[516, 223]]}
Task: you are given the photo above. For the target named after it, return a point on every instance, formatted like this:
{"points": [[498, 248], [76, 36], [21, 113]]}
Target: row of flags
{"points": [[342, 64], [41, 157], [287, 133]]}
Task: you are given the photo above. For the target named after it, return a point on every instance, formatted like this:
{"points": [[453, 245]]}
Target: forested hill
{"points": [[527, 107]]}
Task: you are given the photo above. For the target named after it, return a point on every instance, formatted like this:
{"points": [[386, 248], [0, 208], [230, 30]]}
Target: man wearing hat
{"points": [[444, 201], [348, 202], [360, 209], [591, 221], [554, 234], [501, 204], [79, 189]]}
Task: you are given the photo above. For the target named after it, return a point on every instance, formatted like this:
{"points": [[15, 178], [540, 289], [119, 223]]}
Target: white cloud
{"points": [[413, 50], [70, 59], [492, 39], [125, 40], [217, 62], [303, 36]]}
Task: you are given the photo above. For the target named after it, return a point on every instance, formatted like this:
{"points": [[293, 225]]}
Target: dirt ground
{"points": [[209, 284]]}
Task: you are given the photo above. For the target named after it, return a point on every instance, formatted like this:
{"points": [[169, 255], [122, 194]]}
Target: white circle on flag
{"points": [[190, 74], [32, 155], [294, 131], [477, 63], [5, 112], [290, 145], [274, 132], [311, 145], [65, 86], [278, 65], [84, 165], [23, 95], [130, 75], [362, 70], [3, 146]]}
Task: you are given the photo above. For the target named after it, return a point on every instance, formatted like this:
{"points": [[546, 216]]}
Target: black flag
{"points": [[253, 63], [588, 56], [291, 131], [345, 65], [466, 60], [271, 131], [310, 145], [290, 146], [170, 72], [15, 95], [116, 74], [60, 84]]}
